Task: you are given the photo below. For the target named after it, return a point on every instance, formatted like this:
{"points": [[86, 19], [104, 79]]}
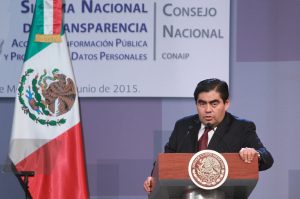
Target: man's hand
{"points": [[247, 154], [148, 184]]}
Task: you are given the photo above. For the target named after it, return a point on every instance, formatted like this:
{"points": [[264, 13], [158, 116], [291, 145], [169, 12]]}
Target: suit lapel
{"points": [[220, 132]]}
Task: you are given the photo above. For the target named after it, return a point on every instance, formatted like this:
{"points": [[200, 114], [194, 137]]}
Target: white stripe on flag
{"points": [[48, 16]]}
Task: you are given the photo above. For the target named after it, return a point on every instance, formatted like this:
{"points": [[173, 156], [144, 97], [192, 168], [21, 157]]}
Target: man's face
{"points": [[211, 108]]}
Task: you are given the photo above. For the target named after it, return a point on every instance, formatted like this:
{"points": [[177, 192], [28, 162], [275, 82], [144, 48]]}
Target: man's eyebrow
{"points": [[199, 100], [212, 101]]}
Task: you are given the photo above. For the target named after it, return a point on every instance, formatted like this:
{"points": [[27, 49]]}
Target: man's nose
{"points": [[208, 108]]}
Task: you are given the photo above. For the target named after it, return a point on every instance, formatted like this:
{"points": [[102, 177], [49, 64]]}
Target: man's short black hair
{"points": [[212, 84]]}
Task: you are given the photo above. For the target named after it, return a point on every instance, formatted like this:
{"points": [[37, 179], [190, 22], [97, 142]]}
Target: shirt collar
{"points": [[203, 127]]}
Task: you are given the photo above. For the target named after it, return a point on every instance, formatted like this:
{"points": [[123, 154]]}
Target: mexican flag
{"points": [[46, 133]]}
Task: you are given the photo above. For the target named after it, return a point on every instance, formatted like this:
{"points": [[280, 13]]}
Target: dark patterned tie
{"points": [[203, 141]]}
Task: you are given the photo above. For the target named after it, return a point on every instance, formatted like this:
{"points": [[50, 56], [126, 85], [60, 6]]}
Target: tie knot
{"points": [[207, 128]]}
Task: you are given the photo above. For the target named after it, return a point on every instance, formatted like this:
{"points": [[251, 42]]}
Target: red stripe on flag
{"points": [[59, 168], [57, 16]]}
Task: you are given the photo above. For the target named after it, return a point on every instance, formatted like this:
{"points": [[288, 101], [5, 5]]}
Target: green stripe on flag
{"points": [[37, 27]]}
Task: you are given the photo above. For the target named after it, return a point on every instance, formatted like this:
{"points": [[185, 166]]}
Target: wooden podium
{"points": [[172, 181]]}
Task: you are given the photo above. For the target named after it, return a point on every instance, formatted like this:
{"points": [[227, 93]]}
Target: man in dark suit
{"points": [[225, 133]]}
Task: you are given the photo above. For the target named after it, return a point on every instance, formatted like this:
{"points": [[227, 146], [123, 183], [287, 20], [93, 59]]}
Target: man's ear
{"points": [[227, 104]]}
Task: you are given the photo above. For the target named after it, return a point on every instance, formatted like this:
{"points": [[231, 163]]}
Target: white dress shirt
{"points": [[210, 133]]}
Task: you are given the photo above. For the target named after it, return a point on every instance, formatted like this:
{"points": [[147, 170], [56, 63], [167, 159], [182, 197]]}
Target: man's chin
{"points": [[209, 123]]}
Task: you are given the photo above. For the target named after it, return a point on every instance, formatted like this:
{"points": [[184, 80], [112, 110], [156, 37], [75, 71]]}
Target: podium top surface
{"points": [[171, 176], [174, 166]]}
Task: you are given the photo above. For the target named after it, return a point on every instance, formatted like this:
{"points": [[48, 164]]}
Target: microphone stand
{"points": [[23, 177], [24, 183]]}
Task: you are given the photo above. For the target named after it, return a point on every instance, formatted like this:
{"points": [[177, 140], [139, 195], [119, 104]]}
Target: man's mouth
{"points": [[208, 118]]}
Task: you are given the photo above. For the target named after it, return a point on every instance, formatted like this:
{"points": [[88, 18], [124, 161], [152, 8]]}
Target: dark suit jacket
{"points": [[231, 135]]}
